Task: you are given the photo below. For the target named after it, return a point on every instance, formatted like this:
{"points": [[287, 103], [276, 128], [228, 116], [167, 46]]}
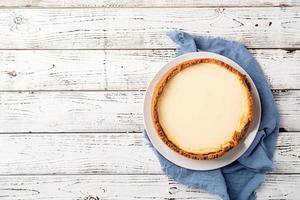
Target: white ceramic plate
{"points": [[185, 162]]}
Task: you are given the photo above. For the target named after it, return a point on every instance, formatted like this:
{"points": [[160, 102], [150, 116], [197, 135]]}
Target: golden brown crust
{"points": [[237, 136]]}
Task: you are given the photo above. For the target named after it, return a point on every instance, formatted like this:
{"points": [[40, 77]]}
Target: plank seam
{"points": [[140, 7], [112, 90], [125, 174], [291, 49]]}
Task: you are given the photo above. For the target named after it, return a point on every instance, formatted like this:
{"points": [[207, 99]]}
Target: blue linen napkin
{"points": [[239, 180]]}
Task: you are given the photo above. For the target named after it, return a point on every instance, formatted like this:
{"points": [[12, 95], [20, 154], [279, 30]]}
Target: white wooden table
{"points": [[72, 78]]}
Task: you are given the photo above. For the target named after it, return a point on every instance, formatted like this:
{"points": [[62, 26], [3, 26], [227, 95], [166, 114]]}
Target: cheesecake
{"points": [[202, 108]]}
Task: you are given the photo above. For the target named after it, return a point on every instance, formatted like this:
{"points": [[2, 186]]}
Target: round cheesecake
{"points": [[202, 108]]}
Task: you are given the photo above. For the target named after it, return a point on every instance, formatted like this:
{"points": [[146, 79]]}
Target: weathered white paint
{"points": [[29, 161], [71, 111], [131, 187], [117, 69], [129, 28], [105, 153], [99, 111], [144, 3]]}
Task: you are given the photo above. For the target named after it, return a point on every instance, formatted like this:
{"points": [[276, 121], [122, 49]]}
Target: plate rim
{"points": [[183, 161]]}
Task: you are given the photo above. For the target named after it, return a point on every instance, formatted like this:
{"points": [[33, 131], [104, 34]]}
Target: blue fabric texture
{"points": [[239, 180]]}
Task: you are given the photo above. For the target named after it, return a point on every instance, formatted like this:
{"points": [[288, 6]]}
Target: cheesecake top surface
{"points": [[201, 108]]}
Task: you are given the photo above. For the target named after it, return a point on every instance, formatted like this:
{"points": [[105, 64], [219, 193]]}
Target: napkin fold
{"points": [[239, 180]]}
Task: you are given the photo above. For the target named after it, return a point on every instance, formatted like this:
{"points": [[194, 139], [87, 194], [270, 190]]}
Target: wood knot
{"points": [[19, 20], [12, 73], [20, 24], [173, 190], [219, 10], [91, 197]]}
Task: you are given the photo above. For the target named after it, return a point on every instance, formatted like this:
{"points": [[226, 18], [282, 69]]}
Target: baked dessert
{"points": [[202, 108]]}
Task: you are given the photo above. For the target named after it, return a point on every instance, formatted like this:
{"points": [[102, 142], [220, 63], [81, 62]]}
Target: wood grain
{"points": [[87, 145], [105, 153], [117, 28], [129, 187], [117, 69], [99, 111], [144, 3], [71, 111]]}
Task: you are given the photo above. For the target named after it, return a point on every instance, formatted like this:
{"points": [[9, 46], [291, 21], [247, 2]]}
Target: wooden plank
{"points": [[288, 103], [144, 3], [287, 153], [115, 187], [117, 69], [116, 28], [99, 111], [71, 111], [105, 153]]}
